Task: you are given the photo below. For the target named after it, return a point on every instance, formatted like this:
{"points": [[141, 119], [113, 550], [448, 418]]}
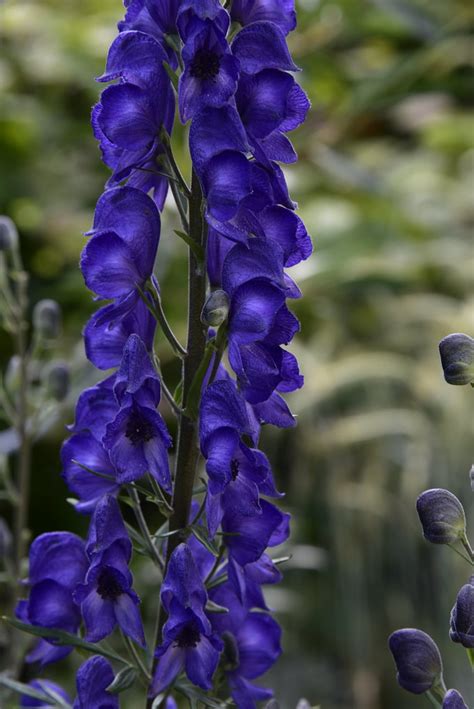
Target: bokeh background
{"points": [[385, 186]]}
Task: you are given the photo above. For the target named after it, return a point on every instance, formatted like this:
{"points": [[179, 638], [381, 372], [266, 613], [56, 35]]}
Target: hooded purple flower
{"points": [[92, 679], [107, 598], [251, 646], [453, 700], [137, 439], [188, 641], [193, 14], [58, 563], [246, 538], [462, 617]]}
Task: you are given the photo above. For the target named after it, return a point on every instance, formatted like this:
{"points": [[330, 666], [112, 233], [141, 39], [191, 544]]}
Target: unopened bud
{"points": [[5, 539], [457, 358], [471, 477], [303, 704], [58, 380], [47, 318], [453, 700], [12, 373], [216, 309], [442, 516], [417, 659], [461, 626], [8, 234]]}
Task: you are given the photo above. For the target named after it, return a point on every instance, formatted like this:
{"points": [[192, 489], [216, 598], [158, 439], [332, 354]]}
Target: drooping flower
{"points": [[457, 358], [189, 643], [92, 679], [417, 659], [280, 12], [442, 516]]}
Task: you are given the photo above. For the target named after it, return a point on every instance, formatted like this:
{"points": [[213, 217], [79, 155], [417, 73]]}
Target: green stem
{"points": [[187, 454], [468, 548], [144, 527], [136, 657]]}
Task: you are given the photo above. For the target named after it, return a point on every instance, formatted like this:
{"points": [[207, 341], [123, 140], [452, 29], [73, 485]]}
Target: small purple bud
{"points": [[453, 700], [216, 309], [462, 616], [417, 659], [8, 234], [442, 516], [47, 318], [457, 358], [58, 380]]}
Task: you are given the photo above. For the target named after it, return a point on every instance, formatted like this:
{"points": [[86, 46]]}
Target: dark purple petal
{"points": [[259, 644], [462, 617], [253, 309], [51, 605], [190, 10], [129, 119], [262, 45], [453, 700], [95, 408], [222, 407], [214, 130], [99, 617], [442, 516], [135, 57], [136, 373], [417, 658], [48, 688], [170, 664], [92, 679], [281, 12], [108, 266], [45, 653], [226, 181], [183, 583], [59, 556], [248, 537], [201, 661], [128, 617], [107, 528]]}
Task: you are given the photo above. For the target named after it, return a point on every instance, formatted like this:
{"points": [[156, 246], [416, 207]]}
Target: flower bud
{"points": [[5, 539], [216, 309], [457, 358], [47, 318], [303, 704], [12, 373], [58, 379], [417, 659], [8, 234], [442, 516], [471, 476], [453, 700], [461, 628]]}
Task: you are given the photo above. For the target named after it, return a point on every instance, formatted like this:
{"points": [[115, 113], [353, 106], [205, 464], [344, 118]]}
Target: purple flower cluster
{"points": [[232, 73]]}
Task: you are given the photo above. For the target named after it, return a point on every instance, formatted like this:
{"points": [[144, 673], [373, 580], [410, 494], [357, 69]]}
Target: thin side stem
{"points": [[187, 454], [136, 657], [144, 527]]}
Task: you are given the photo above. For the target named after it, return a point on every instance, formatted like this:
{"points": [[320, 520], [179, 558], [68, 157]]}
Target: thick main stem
{"points": [[187, 454]]}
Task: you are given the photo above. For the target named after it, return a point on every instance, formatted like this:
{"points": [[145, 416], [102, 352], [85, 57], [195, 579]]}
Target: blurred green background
{"points": [[385, 185]]}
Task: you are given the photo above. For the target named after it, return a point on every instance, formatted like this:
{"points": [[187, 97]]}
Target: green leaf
{"points": [[60, 637], [49, 698], [194, 694], [123, 680], [158, 701], [195, 248], [201, 536], [212, 607]]}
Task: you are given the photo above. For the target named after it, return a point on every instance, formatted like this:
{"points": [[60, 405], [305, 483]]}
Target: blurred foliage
{"points": [[385, 186]]}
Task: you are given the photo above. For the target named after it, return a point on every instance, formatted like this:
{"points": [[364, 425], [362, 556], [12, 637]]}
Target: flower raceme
{"points": [[230, 76]]}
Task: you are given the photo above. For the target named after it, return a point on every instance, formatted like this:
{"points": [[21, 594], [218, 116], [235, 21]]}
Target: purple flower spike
{"points": [[442, 516], [462, 617], [417, 659], [453, 700], [92, 680]]}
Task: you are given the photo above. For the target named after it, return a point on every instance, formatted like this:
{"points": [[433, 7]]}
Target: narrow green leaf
{"points": [[201, 536], [61, 637], [212, 607], [123, 680], [158, 701], [195, 248], [28, 691]]}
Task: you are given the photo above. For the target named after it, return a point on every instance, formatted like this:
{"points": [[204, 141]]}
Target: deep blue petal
{"points": [[262, 45]]}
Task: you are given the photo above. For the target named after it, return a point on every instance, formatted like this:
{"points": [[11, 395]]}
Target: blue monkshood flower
{"points": [[107, 599], [417, 659], [156, 18], [453, 700], [251, 646], [193, 14], [189, 643], [462, 617], [137, 439], [105, 337], [92, 679], [87, 469], [58, 563], [457, 358], [270, 104], [246, 538], [50, 689], [280, 12], [223, 420], [442, 516]]}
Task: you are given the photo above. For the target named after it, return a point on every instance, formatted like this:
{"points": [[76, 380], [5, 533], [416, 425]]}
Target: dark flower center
{"points": [[234, 468], [139, 430], [108, 586], [231, 652], [205, 65], [189, 636]]}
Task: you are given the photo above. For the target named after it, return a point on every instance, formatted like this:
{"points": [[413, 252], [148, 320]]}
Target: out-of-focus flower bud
{"points": [[8, 234], [47, 318], [417, 659], [216, 309], [442, 516], [58, 380], [471, 476], [453, 700], [303, 704], [12, 373], [457, 358], [461, 628], [5, 539]]}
